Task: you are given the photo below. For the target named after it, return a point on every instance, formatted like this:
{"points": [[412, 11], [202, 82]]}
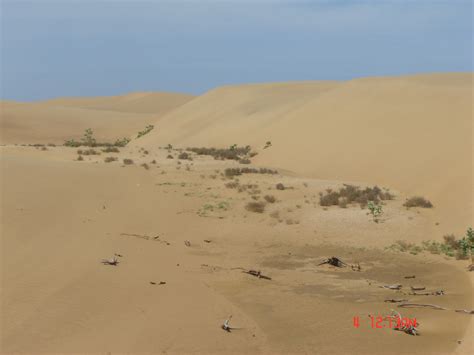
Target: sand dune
{"points": [[56, 120], [411, 133], [185, 224]]}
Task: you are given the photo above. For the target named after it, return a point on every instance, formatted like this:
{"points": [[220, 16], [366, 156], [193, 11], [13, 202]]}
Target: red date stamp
{"points": [[390, 322]]}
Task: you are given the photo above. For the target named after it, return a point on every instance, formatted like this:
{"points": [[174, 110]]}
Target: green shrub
{"points": [[145, 131]]}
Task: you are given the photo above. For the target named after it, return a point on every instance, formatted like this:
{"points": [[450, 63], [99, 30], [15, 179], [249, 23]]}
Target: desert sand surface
{"points": [[54, 121], [183, 235]]}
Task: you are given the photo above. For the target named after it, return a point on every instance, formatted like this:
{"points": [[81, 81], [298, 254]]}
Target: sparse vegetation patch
{"points": [[350, 194], [231, 172], [417, 201], [257, 207], [232, 153], [145, 131]]}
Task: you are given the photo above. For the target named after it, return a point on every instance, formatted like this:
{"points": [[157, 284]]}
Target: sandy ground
{"points": [[175, 222], [61, 217]]}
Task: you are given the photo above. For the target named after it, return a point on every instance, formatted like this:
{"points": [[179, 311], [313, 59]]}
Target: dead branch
{"points": [[333, 261], [465, 311], [407, 328], [392, 287], [410, 277], [414, 305], [433, 293], [396, 300], [414, 288], [257, 273], [113, 261]]}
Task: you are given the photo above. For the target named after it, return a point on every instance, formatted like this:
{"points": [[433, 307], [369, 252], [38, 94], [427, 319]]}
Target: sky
{"points": [[110, 47]]}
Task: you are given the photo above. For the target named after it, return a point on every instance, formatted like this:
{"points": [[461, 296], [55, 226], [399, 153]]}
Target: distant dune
{"points": [[413, 133], [56, 120]]}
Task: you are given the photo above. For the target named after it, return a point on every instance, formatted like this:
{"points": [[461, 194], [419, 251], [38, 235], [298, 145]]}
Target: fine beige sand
{"points": [[175, 221], [57, 120]]}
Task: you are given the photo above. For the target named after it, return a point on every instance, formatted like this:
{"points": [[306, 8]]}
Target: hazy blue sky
{"points": [[88, 48]]}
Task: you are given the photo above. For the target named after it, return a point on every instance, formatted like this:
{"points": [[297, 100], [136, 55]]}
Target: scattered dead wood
{"points": [[414, 288], [333, 261], [392, 287], [396, 300], [410, 277], [415, 305], [112, 261], [465, 311], [257, 273]]}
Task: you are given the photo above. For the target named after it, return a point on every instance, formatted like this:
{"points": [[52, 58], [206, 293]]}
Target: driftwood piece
{"points": [[406, 328], [257, 273], [465, 311], [392, 287], [410, 277], [396, 300], [226, 325], [414, 288], [414, 305], [187, 243], [333, 261], [433, 293], [112, 261]]}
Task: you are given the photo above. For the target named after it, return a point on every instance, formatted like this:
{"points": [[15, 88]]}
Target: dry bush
{"points": [[145, 165], [80, 158], [231, 172], [110, 159], [128, 161], [153, 161], [244, 161], [280, 186], [353, 194], [417, 201], [88, 152], [184, 156], [111, 150], [257, 207], [232, 185], [169, 156], [270, 198], [232, 153]]}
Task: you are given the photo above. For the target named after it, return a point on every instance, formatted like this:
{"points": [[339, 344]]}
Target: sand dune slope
{"points": [[54, 121], [411, 133]]}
